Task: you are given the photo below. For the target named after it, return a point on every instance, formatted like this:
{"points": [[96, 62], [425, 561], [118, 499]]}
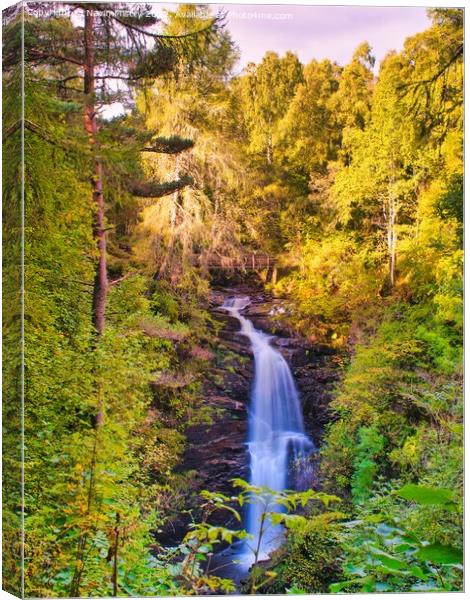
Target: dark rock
{"points": [[257, 310], [237, 345], [286, 342], [229, 323], [216, 298]]}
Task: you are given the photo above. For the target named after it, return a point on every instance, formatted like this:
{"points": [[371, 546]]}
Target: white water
{"points": [[276, 435]]}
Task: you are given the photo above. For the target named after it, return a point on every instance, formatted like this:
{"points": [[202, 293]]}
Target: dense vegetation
{"points": [[354, 181]]}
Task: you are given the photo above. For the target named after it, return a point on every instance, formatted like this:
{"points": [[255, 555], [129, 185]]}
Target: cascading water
{"points": [[276, 435]]}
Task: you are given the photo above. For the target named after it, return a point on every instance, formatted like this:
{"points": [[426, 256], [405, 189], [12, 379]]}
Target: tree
{"points": [[377, 189], [266, 91], [310, 131], [433, 89], [353, 99], [105, 47], [184, 230]]}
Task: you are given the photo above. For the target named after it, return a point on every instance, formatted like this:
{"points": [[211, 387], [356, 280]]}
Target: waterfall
{"points": [[276, 435]]}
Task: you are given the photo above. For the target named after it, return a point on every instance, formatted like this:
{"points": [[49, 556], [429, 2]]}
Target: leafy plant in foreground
{"points": [[198, 546], [384, 555], [276, 508]]}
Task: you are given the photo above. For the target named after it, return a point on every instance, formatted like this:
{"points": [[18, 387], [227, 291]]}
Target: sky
{"points": [[319, 32]]}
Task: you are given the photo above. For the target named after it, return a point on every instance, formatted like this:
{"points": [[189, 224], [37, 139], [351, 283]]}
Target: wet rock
{"points": [[258, 310], [286, 342], [308, 354], [217, 298], [229, 323], [235, 344]]}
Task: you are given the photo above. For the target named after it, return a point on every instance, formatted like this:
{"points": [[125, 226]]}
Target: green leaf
{"points": [[391, 571], [388, 560], [227, 536], [295, 522], [295, 590], [404, 548], [441, 555], [334, 588], [374, 518], [427, 496], [276, 518], [418, 572]]}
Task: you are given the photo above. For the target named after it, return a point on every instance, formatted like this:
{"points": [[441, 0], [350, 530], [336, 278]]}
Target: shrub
{"points": [[310, 559]]}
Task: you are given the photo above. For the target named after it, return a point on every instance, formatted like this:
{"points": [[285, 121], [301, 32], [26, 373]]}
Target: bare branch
{"points": [[123, 278]]}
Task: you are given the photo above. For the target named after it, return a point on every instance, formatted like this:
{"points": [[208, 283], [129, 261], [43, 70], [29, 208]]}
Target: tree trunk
{"points": [[115, 555], [100, 289], [392, 236], [274, 275], [269, 149]]}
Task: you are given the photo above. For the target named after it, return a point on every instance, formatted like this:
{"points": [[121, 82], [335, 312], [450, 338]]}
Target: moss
{"points": [[309, 561]]}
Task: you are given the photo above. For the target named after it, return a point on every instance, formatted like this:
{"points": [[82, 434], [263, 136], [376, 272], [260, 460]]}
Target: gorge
{"points": [[268, 389]]}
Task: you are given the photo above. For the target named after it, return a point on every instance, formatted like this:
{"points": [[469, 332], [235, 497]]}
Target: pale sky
{"points": [[320, 31]]}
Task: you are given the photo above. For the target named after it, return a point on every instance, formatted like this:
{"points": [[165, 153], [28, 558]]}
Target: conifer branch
{"points": [[171, 145], [34, 54], [154, 189], [161, 37]]}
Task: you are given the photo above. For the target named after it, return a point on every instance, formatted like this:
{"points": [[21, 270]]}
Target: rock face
{"points": [[217, 451]]}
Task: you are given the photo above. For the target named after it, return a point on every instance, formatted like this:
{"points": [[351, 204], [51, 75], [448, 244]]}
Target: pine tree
{"points": [[113, 43]]}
